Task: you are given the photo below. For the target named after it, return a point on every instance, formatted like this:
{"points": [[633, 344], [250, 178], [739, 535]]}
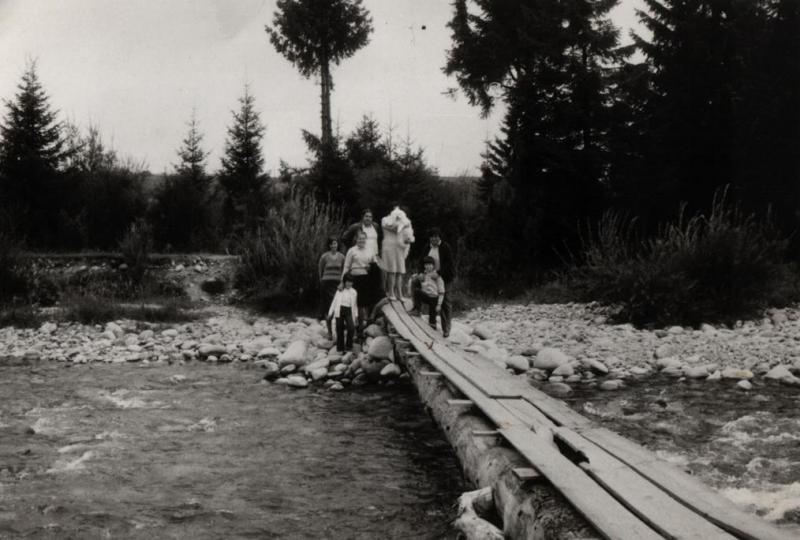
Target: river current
{"points": [[208, 451]]}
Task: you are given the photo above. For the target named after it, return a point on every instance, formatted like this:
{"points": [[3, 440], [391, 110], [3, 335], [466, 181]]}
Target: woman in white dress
{"points": [[397, 239]]}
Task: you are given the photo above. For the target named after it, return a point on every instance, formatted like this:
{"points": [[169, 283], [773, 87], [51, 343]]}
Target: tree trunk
{"points": [[326, 85], [529, 510]]}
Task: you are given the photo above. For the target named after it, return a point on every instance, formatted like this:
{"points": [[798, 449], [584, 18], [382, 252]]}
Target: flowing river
{"points": [[207, 451], [744, 444]]}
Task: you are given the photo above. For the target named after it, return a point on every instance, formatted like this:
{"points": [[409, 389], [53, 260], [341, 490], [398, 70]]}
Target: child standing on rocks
{"points": [[344, 309], [431, 290]]}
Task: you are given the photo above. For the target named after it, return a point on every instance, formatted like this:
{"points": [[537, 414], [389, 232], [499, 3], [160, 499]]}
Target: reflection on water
{"points": [[745, 444], [130, 451]]}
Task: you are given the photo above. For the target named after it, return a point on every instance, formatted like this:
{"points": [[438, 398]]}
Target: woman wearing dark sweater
{"points": [[330, 272]]}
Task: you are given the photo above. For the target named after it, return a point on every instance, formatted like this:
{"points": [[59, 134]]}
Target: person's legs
{"points": [[419, 300], [340, 331], [398, 285], [391, 277], [415, 287], [446, 314], [431, 301], [347, 315]]}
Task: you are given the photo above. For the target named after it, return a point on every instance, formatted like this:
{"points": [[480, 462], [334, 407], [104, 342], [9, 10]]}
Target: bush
{"points": [[97, 310], [20, 317], [135, 247], [280, 259], [13, 282], [705, 269], [183, 216]]}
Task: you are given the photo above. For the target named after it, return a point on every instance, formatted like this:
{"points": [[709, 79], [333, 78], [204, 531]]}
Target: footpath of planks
{"points": [[622, 489]]}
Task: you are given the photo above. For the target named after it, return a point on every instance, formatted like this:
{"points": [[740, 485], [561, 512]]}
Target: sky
{"points": [[137, 69]]}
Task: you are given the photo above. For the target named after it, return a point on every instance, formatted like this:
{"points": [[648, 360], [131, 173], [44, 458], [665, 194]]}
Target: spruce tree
{"points": [[32, 149], [192, 156], [700, 56], [182, 214], [241, 175], [550, 62], [313, 35]]}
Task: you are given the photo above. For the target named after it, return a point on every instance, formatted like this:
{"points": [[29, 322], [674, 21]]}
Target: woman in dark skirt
{"points": [[357, 263]]}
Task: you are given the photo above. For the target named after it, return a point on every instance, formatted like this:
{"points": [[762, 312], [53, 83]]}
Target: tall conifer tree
{"points": [[241, 175], [32, 149]]}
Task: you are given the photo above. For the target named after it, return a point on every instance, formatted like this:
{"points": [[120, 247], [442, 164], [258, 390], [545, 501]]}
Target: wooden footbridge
{"points": [[623, 490]]}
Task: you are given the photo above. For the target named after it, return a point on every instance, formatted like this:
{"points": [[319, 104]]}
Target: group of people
{"points": [[374, 267]]}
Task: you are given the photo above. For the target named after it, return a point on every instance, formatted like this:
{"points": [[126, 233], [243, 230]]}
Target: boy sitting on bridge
{"points": [[430, 291]]}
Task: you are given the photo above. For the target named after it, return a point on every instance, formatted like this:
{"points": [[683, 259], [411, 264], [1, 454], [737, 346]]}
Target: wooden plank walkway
{"points": [[621, 488]]}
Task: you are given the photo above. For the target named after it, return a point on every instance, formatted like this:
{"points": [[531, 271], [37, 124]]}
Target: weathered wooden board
{"points": [[604, 512], [608, 515], [625, 469], [493, 379], [685, 488], [654, 506]]}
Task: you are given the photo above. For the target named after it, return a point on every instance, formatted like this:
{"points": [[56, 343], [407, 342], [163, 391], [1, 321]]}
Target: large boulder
{"points": [[297, 381], [257, 344], [550, 358], [518, 363], [374, 330], [381, 348], [212, 349], [294, 354], [780, 373], [483, 331], [596, 366]]}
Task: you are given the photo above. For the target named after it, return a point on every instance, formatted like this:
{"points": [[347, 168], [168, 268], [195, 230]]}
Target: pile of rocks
{"points": [[294, 353], [558, 345], [305, 362]]}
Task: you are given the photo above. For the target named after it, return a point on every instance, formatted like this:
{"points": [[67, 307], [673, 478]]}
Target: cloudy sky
{"points": [[137, 68]]}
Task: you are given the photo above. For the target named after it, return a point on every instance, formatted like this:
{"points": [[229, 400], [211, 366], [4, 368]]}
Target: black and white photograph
{"points": [[400, 269]]}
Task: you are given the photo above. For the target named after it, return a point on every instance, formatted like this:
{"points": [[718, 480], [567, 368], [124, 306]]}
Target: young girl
{"points": [[344, 309]]}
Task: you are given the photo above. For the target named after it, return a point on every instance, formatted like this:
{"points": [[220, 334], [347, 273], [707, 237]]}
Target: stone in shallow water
{"points": [[518, 363], [733, 373], [297, 381], [564, 370], [390, 370], [557, 388], [550, 358], [319, 373], [294, 354], [778, 373], [745, 385], [613, 384]]}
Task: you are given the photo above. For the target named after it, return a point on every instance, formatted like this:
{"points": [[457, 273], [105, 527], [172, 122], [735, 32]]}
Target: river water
{"points": [[207, 451], [744, 444]]}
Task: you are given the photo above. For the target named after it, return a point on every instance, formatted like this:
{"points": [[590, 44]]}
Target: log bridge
{"points": [[556, 474]]}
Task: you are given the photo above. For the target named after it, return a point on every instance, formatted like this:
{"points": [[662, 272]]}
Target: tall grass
{"points": [[715, 268], [280, 259]]}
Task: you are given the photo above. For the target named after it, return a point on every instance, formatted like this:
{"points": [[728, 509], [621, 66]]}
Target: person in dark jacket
{"points": [[442, 255], [371, 229]]}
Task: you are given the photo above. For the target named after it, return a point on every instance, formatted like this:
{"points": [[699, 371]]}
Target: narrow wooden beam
{"points": [[527, 473], [485, 433], [461, 402]]}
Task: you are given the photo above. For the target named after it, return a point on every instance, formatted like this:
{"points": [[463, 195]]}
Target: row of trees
{"points": [[68, 190], [588, 126]]}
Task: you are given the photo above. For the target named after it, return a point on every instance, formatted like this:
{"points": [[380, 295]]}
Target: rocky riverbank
{"points": [[293, 353], [556, 346], [559, 346]]}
